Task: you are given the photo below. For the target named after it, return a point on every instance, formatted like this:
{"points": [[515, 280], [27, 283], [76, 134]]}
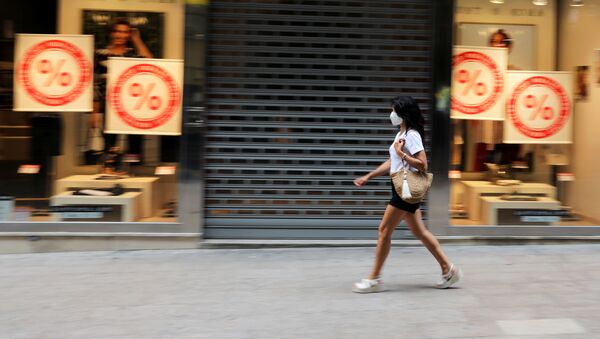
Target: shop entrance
{"points": [[298, 105]]}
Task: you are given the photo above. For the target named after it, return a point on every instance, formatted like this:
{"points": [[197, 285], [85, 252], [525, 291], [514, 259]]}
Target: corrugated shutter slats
{"points": [[298, 105]]}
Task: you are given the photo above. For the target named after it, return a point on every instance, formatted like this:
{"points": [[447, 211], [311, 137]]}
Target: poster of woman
{"points": [[519, 39], [116, 34], [150, 26]]}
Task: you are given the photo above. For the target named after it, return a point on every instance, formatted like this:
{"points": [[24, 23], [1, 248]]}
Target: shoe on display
{"points": [[368, 286], [453, 276]]}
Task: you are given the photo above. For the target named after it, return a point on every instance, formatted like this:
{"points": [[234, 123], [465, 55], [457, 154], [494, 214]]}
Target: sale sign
{"points": [[478, 81], [144, 96], [53, 73], [539, 107]]}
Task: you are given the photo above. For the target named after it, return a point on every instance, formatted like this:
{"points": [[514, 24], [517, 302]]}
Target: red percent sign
{"points": [[54, 73], [537, 107], [471, 83], [143, 93]]}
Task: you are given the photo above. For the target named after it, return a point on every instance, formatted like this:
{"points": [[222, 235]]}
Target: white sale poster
{"points": [[53, 73], [144, 96], [478, 81], [539, 108]]}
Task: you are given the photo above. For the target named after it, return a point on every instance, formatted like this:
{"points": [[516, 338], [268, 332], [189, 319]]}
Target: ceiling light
{"points": [[540, 2], [576, 3], [497, 1]]}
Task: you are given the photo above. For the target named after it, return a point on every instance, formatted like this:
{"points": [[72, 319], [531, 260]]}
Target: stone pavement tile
{"points": [[552, 326], [435, 329]]}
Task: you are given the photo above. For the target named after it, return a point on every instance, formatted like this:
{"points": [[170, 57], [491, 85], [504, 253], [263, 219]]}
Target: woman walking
{"points": [[407, 150]]}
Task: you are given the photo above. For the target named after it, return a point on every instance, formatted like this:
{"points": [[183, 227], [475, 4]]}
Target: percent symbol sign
{"points": [[546, 112], [46, 66], [137, 90], [144, 96], [470, 79]]}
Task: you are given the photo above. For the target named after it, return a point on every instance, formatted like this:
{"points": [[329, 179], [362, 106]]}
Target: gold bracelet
{"points": [[404, 156]]}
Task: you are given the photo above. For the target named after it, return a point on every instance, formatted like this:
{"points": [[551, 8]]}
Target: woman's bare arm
{"points": [[382, 169]]}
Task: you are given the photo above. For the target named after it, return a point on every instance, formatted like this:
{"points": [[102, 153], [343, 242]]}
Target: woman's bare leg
{"points": [[391, 219], [418, 229]]}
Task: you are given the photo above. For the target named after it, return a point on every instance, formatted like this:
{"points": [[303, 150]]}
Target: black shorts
{"points": [[397, 202]]}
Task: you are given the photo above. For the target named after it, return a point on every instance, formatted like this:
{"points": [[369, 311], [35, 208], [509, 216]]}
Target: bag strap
{"points": [[405, 163]]}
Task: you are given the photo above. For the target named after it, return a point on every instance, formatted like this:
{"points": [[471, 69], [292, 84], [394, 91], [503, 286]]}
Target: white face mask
{"points": [[396, 120]]}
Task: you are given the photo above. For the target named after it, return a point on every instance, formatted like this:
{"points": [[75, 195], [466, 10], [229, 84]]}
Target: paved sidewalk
{"points": [[533, 291]]}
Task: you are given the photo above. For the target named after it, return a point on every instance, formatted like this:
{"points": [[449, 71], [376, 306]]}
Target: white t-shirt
{"points": [[412, 145]]}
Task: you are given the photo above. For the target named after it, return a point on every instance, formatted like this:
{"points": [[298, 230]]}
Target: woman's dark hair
{"points": [[505, 37], [119, 21], [407, 108]]}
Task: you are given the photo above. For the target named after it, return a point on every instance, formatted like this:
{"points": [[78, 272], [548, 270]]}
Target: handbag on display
{"points": [[411, 186]]}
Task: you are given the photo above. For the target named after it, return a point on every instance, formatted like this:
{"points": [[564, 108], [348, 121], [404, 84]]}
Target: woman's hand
{"points": [[139, 45], [398, 145], [361, 181], [135, 35]]}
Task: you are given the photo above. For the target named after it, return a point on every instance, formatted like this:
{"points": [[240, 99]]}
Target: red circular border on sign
{"points": [[59, 45], [160, 119], [497, 88], [564, 110]]}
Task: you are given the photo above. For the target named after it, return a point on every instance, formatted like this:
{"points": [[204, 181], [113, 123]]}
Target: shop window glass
{"points": [[526, 168], [64, 166]]}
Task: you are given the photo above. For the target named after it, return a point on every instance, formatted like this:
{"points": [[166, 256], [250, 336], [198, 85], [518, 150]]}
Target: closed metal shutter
{"points": [[298, 106]]}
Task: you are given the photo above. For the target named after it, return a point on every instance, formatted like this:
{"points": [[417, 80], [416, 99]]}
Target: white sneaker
{"points": [[368, 286], [452, 277]]}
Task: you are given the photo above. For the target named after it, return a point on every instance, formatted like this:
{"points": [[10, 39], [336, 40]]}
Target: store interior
{"points": [[51, 161], [493, 181]]}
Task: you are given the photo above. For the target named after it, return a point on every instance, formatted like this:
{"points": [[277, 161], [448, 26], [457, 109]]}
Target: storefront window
{"points": [[91, 111], [521, 98]]}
